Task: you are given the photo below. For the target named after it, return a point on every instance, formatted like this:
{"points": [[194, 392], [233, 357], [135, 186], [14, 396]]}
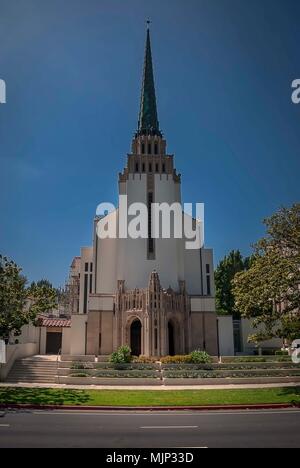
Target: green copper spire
{"points": [[148, 121]]}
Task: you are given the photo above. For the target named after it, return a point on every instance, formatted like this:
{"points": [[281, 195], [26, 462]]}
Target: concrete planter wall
{"points": [[67, 371], [78, 358], [228, 381], [67, 380]]}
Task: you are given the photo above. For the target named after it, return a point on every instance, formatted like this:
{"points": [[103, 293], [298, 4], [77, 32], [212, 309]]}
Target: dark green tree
{"points": [[19, 304], [224, 274]]}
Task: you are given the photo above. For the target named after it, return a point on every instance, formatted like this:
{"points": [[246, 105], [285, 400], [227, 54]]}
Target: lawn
{"points": [[44, 396]]}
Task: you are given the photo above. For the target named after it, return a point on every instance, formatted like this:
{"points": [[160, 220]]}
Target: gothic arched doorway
{"points": [[171, 339], [136, 338]]}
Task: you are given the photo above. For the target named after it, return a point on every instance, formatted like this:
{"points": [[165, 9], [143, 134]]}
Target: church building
{"points": [[151, 294]]}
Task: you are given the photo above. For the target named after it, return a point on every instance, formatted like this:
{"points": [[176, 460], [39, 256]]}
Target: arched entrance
{"points": [[171, 339], [136, 338]]}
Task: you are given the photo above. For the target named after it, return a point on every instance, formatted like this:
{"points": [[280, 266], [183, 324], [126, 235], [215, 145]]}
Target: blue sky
{"points": [[73, 70]]}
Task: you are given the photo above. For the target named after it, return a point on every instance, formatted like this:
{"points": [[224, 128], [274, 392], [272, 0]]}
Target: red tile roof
{"points": [[55, 322]]}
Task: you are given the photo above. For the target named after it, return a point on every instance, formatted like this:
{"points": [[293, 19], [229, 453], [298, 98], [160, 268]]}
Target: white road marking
{"points": [[4, 425], [169, 427]]}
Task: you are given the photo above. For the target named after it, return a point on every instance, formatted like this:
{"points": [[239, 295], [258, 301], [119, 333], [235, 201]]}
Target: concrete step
{"points": [[35, 364], [33, 371], [33, 376], [24, 379]]}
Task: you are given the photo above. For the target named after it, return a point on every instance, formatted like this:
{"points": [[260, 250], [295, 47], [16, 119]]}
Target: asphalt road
{"points": [[280, 428]]}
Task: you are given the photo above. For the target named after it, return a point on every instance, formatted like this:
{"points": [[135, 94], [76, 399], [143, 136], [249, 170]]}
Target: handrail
{"points": [[57, 357], [57, 361]]}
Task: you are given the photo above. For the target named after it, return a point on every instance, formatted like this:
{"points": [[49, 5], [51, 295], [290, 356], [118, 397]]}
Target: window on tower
{"points": [[150, 239], [156, 148], [149, 148], [143, 148]]}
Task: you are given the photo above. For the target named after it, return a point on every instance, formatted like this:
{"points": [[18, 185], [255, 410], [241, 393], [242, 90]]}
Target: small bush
{"points": [[249, 359], [129, 374], [79, 374], [281, 353], [122, 356], [176, 359], [77, 366], [200, 357], [81, 366], [146, 359], [283, 359]]}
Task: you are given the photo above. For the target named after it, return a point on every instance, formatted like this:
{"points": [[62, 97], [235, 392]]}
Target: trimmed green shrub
{"points": [[176, 359], [80, 374], [81, 366], [146, 359], [172, 374], [200, 357], [281, 353], [122, 356], [250, 359], [188, 366], [130, 374]]}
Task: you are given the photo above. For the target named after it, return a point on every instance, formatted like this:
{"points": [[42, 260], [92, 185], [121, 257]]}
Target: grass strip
{"points": [[132, 398]]}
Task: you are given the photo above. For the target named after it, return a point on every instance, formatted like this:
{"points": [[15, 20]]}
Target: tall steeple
{"points": [[148, 121]]}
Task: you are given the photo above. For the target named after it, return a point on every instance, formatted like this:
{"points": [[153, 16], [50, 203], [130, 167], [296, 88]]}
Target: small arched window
{"points": [[156, 148], [143, 148], [149, 148], [136, 167], [164, 168]]}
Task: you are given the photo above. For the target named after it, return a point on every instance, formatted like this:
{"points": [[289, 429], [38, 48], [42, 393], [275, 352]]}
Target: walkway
{"points": [[159, 388]]}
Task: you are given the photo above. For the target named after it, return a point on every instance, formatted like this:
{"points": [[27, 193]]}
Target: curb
{"points": [[151, 408]]}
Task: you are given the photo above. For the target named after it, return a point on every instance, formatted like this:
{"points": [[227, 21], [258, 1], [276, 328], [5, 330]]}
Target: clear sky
{"points": [[73, 70]]}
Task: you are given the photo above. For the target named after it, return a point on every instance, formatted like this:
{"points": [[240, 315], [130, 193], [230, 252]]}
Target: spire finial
{"points": [[148, 122]]}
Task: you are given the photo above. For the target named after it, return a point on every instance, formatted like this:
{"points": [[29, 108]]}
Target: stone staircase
{"points": [[34, 370]]}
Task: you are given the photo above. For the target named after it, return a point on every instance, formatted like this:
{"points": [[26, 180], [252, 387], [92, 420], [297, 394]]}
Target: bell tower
{"points": [[150, 171]]}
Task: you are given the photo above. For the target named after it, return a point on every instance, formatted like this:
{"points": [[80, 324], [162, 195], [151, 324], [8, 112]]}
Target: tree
{"points": [[19, 304], [42, 282], [269, 291], [224, 274]]}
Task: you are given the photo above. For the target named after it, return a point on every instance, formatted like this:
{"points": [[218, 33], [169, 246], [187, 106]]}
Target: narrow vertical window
{"points": [[149, 148], [156, 148], [156, 168], [143, 148], [150, 167], [136, 167], [164, 168], [85, 293], [150, 239], [208, 285]]}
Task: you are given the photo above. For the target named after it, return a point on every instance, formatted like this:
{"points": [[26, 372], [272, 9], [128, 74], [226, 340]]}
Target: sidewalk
{"points": [[140, 388]]}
